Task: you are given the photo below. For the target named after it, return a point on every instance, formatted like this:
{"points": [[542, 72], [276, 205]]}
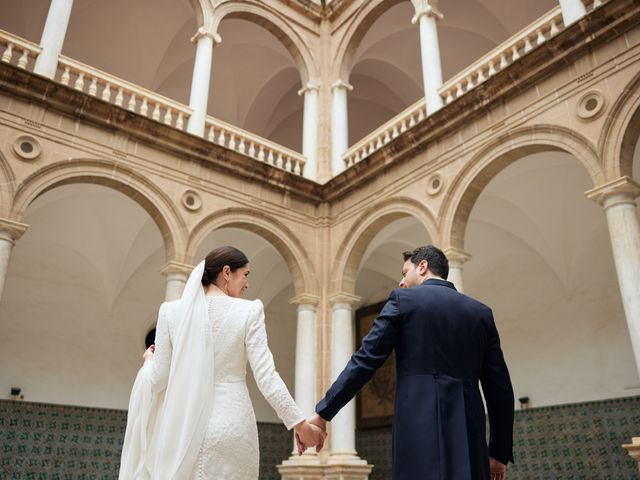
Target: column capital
{"points": [[424, 8], [309, 87], [173, 268], [624, 188], [204, 32], [341, 84], [343, 298], [305, 299], [10, 230], [456, 255]]}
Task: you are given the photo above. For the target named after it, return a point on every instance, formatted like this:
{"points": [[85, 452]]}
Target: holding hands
{"points": [[310, 433]]}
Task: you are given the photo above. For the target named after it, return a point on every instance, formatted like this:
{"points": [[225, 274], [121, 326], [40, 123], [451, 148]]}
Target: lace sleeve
{"points": [[269, 382], [161, 362]]}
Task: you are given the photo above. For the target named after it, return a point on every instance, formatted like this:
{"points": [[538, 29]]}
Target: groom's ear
{"points": [[423, 267]]}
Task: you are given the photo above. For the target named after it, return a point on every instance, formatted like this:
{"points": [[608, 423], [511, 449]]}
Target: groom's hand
{"points": [[498, 471], [309, 435], [319, 422]]}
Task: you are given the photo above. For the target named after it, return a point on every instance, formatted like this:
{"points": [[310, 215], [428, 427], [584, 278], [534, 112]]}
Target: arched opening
{"points": [[82, 290], [255, 81], [383, 59], [272, 283], [542, 261]]}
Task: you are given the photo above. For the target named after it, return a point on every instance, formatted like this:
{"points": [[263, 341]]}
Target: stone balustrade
{"points": [[18, 51], [496, 60], [134, 98], [254, 146], [387, 132], [114, 90]]}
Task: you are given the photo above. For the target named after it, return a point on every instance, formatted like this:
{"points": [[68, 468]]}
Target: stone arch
{"points": [[505, 150], [7, 184], [273, 21], [621, 132], [267, 227], [359, 24], [367, 226], [138, 188]]}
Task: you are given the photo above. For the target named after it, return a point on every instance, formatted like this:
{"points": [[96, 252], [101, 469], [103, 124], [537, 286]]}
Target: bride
{"points": [[190, 415]]}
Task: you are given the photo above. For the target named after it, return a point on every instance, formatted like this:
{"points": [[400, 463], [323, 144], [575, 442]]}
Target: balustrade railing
{"points": [[477, 73], [134, 98], [254, 146], [18, 51]]}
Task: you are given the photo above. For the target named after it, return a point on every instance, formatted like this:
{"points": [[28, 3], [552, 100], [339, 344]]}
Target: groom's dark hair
{"points": [[435, 258]]}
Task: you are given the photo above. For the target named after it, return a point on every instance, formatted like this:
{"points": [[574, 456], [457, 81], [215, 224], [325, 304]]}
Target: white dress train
{"points": [[229, 449]]}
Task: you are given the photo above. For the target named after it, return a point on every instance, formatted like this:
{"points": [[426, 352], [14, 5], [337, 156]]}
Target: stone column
{"points": [[10, 232], [310, 129], [201, 79], [306, 466], [572, 11], [618, 199], [177, 275], [55, 29], [339, 125], [456, 258], [426, 15]]}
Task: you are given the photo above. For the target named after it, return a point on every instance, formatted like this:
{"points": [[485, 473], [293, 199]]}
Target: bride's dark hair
{"points": [[216, 260]]}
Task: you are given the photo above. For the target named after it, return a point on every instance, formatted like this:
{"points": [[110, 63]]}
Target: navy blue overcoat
{"points": [[446, 344]]}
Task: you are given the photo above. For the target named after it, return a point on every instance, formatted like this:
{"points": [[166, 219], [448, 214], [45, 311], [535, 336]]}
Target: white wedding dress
{"points": [[229, 446]]}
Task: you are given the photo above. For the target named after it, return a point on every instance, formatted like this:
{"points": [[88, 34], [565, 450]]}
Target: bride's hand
{"points": [[148, 354], [309, 435]]}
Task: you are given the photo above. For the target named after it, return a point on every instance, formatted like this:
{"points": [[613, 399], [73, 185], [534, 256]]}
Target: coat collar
{"points": [[437, 281]]}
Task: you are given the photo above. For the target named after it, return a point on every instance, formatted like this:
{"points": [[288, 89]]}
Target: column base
{"points": [[338, 467], [633, 449]]}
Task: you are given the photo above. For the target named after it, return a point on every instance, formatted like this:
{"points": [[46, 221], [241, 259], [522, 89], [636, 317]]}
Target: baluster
{"points": [[241, 146], [395, 132], [120, 97], [492, 69], [261, 154], [554, 27], [412, 121], [168, 117], [144, 108], [66, 76], [232, 142], [24, 59], [503, 61], [8, 53], [252, 150], [106, 92], [469, 82], [387, 137], [131, 106], [93, 87], [180, 121], [156, 112], [514, 53], [79, 85], [459, 90], [540, 38], [379, 143], [527, 45], [371, 148], [481, 77], [212, 134], [288, 165], [297, 169], [270, 158], [449, 96], [597, 3], [403, 126], [222, 138]]}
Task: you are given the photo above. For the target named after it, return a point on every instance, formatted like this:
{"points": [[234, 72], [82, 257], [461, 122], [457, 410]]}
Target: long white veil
{"points": [[167, 429]]}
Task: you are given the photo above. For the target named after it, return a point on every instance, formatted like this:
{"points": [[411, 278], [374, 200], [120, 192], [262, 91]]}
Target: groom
{"points": [[445, 344]]}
